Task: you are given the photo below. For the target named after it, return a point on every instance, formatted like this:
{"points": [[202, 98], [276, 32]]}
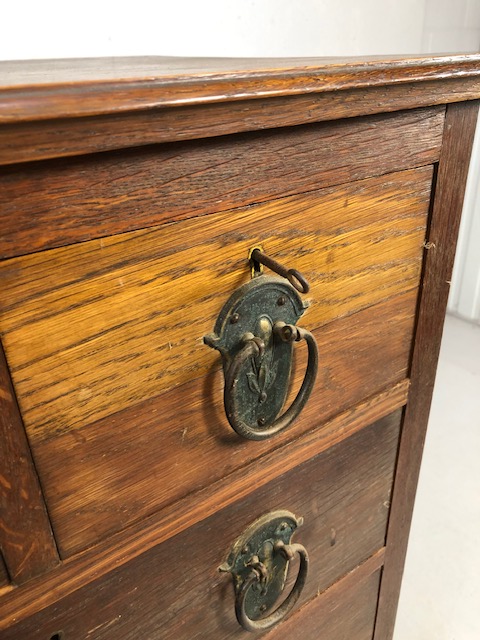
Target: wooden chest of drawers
{"points": [[133, 194]]}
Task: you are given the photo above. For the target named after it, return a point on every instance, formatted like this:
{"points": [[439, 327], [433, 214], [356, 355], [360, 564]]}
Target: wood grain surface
{"points": [[114, 482], [83, 326], [121, 548], [175, 590], [37, 140], [345, 611], [460, 126], [43, 89], [4, 577], [27, 547], [65, 201], [94, 328]]}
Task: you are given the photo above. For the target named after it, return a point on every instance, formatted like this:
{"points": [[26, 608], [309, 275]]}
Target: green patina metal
{"points": [[254, 334], [258, 562]]}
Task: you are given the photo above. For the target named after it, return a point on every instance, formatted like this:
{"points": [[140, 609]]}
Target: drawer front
{"points": [[346, 611], [175, 589], [104, 341], [93, 328]]}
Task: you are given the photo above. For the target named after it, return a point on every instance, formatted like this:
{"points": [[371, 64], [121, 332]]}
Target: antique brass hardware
{"points": [[257, 258], [258, 562], [254, 333]]}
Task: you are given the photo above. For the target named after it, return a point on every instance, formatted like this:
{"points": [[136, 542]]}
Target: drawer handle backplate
{"points": [[254, 334], [259, 562]]}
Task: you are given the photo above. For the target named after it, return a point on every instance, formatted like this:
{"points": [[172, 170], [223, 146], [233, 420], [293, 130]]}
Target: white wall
{"points": [[55, 28], [451, 25]]}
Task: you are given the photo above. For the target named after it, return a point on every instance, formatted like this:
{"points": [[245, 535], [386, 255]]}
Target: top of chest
{"points": [[58, 108]]}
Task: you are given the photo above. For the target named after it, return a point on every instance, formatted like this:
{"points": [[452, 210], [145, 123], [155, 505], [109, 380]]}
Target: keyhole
{"points": [[57, 636]]}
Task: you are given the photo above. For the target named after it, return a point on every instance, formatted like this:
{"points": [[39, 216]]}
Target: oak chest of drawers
{"points": [[134, 193]]}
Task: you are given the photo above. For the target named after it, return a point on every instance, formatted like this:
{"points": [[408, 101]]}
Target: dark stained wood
{"points": [[343, 494], [186, 430], [26, 540], [59, 202], [4, 577], [452, 175], [50, 108], [121, 548], [48, 89], [62, 137], [137, 576], [345, 611], [178, 72], [94, 328]]}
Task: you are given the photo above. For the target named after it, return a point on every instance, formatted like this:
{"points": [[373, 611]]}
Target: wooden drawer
{"points": [[346, 611], [175, 589], [104, 341]]}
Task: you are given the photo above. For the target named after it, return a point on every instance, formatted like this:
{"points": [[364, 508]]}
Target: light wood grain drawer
{"points": [[93, 328], [104, 341], [175, 589]]}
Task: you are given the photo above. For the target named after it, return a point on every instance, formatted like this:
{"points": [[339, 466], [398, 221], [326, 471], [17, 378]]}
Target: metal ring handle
{"points": [[257, 258], [253, 347], [287, 605]]}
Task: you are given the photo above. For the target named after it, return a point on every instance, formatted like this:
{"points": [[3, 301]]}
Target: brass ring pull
{"points": [[255, 577], [254, 333], [253, 348], [259, 561]]}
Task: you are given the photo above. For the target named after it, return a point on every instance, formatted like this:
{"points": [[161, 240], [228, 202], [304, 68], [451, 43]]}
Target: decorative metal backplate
{"points": [[252, 310], [257, 546]]}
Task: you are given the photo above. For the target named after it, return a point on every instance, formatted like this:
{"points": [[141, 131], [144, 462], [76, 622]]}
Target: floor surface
{"points": [[440, 597]]}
